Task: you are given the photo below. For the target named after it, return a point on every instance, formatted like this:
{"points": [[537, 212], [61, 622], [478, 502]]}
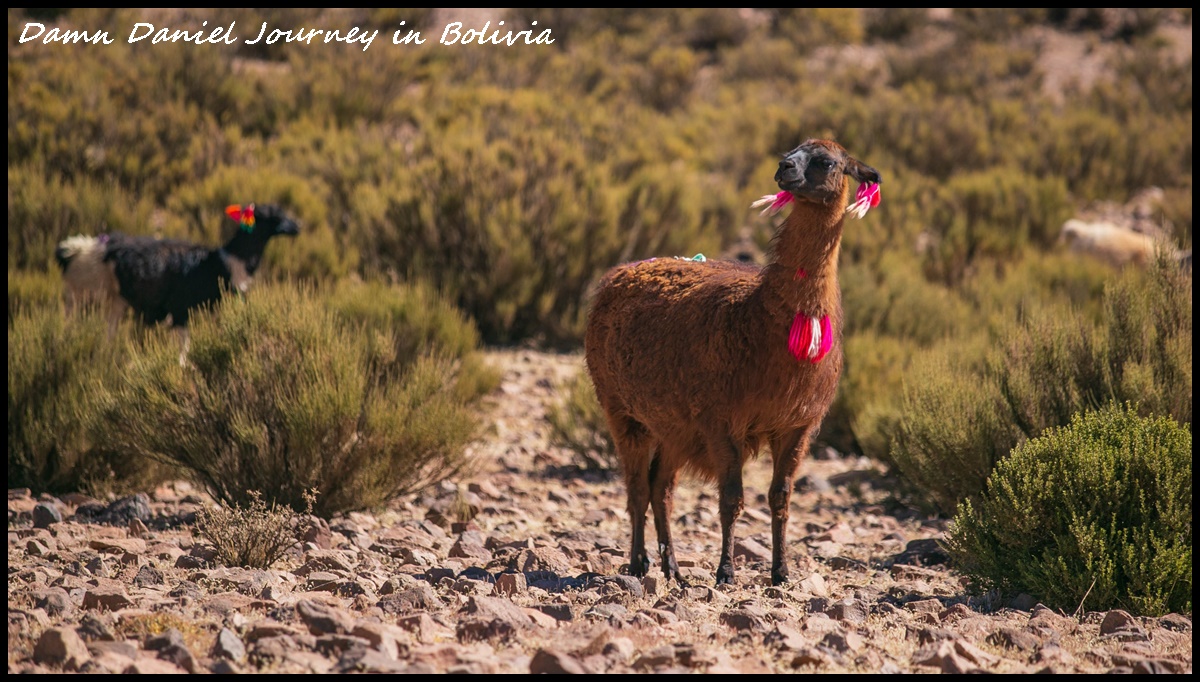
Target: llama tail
{"points": [[89, 249]]}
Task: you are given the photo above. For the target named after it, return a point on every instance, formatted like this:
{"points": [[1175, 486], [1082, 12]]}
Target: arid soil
{"points": [[517, 568]]}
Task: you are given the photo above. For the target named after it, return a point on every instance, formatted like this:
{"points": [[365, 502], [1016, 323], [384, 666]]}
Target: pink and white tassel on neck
{"points": [[866, 199]]}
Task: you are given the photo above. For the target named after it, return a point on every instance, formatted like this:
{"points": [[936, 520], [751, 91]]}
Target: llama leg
{"points": [[185, 342], [635, 452], [662, 499], [787, 451], [116, 310], [724, 451]]}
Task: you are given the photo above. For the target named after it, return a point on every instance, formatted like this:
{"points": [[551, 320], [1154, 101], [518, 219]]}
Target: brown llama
{"points": [[698, 364]]}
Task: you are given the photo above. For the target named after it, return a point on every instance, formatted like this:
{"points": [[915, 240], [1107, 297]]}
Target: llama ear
{"points": [[862, 172]]}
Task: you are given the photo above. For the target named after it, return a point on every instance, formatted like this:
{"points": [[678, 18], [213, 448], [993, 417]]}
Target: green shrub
{"points": [[954, 428], [958, 421], [1095, 515], [577, 423], [59, 372], [282, 396]]}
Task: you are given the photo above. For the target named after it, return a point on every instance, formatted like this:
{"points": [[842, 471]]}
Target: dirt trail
{"points": [[532, 581]]}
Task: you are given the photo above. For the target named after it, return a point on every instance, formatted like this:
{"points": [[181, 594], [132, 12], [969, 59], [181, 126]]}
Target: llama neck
{"points": [[802, 274], [247, 249]]}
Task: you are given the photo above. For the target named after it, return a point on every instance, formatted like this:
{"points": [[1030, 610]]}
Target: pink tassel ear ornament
{"points": [[866, 199], [773, 202]]}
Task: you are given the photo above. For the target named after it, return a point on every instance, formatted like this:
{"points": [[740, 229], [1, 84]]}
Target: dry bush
{"points": [[254, 536]]}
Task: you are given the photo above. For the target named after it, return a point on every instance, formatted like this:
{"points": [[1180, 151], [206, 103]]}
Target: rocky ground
{"points": [[516, 568]]}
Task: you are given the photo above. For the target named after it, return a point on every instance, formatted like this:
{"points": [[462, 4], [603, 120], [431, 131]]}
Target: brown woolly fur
{"points": [[691, 361]]}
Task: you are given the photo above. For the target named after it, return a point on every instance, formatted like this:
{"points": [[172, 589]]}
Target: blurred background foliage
{"points": [[508, 179]]}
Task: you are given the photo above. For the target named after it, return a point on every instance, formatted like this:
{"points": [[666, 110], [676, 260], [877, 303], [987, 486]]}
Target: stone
{"points": [[559, 612], [545, 661], [1118, 621], [924, 606], [1014, 638], [814, 584], [322, 619], [54, 601], [46, 514], [61, 647], [1176, 622], [467, 547], [119, 545], [655, 658], [416, 598], [843, 642], [924, 552], [810, 656], [172, 637], [752, 550], [152, 666], [785, 638], [381, 637], [542, 559], [148, 575], [359, 660], [744, 620], [848, 611], [229, 646], [510, 584], [106, 599], [495, 608]]}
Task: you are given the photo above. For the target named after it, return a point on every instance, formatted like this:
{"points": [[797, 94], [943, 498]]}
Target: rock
{"points": [[785, 638], [909, 572], [94, 627], [618, 649], [370, 661], [171, 637], [45, 514], [1014, 638], [942, 655], [138, 529], [847, 610], [1176, 622], [416, 598], [148, 575], [931, 635], [924, 606], [119, 545], [381, 637], [108, 599], [550, 662], [495, 609], [843, 642], [318, 533], [542, 559], [223, 666], [814, 584], [152, 666], [472, 587], [810, 656], [61, 646], [745, 620], [655, 658], [752, 550], [925, 552], [98, 568], [322, 619], [229, 646], [1121, 625], [36, 547], [1144, 665], [119, 513], [559, 612], [625, 583], [181, 656], [468, 546], [510, 584], [54, 601], [956, 612]]}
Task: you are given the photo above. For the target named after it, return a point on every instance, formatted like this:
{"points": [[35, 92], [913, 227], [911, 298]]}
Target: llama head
{"points": [[819, 171], [262, 221]]}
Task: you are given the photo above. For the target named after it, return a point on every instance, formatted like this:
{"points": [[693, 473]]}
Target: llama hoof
{"points": [[639, 568], [779, 578], [725, 575]]}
